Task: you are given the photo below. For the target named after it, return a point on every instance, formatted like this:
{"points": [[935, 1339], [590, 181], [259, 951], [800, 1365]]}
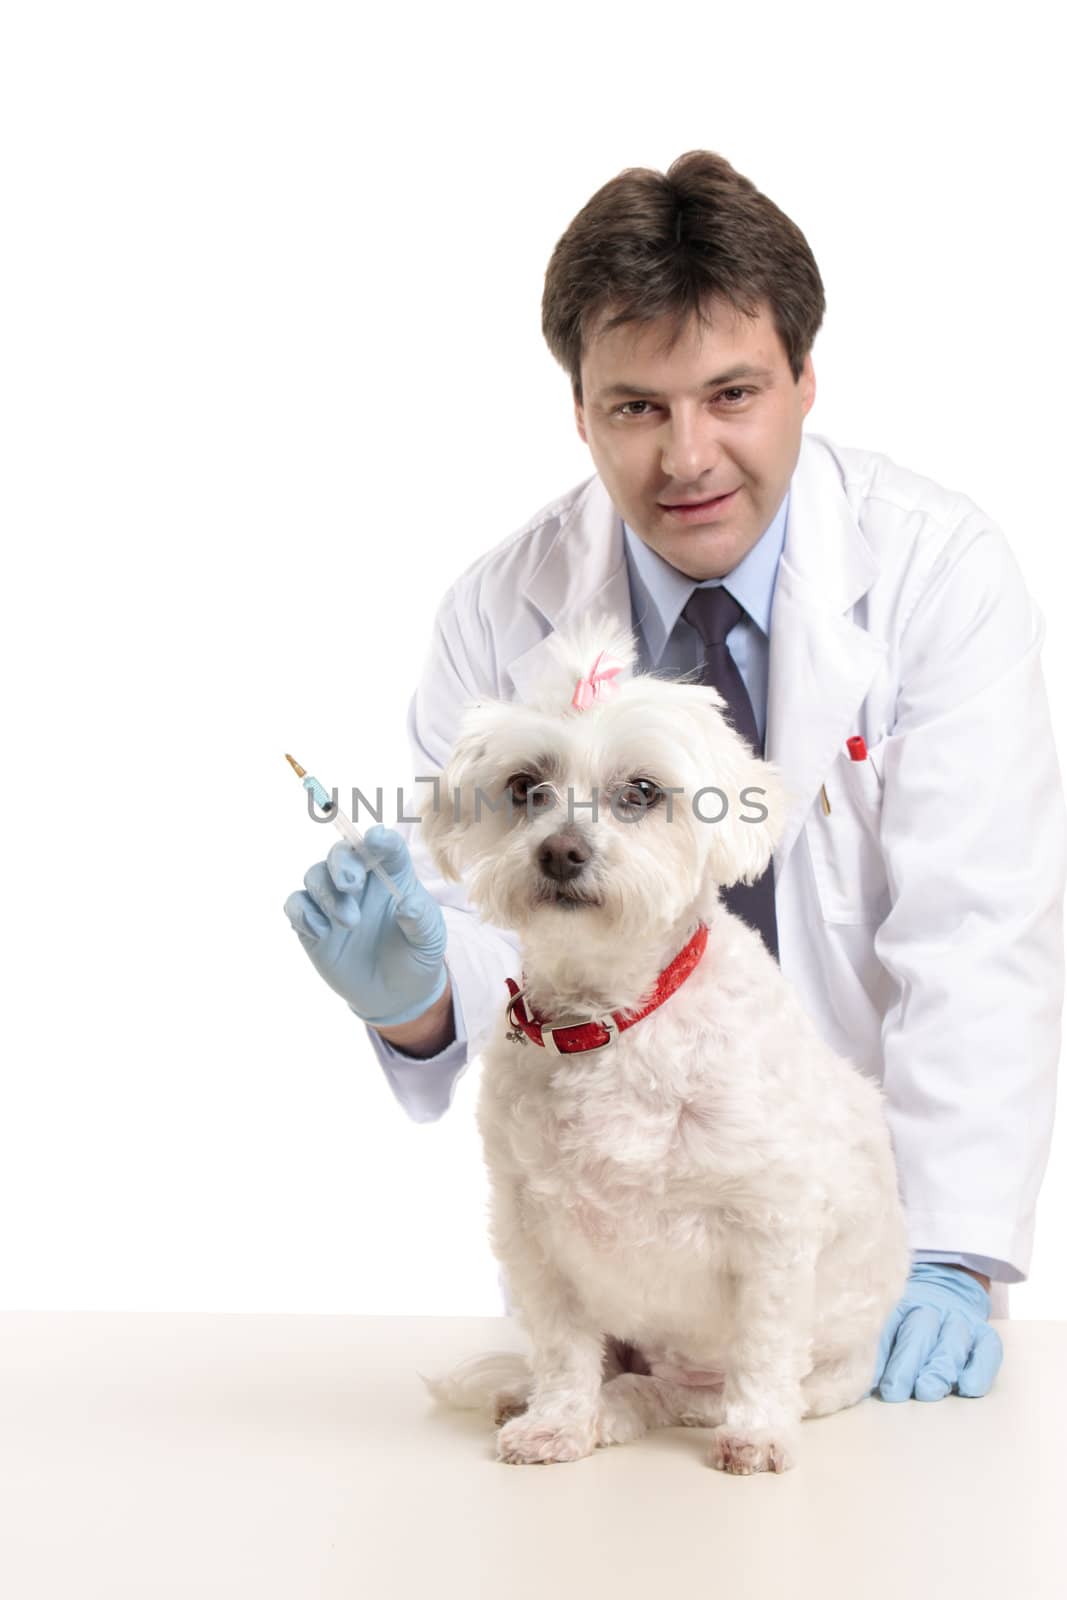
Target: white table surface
{"points": [[152, 1456]]}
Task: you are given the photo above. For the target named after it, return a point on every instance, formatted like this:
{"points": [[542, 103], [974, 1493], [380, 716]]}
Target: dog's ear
{"points": [[445, 814], [743, 838]]}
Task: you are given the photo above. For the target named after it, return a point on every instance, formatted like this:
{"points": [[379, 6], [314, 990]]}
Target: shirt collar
{"points": [[659, 592]]}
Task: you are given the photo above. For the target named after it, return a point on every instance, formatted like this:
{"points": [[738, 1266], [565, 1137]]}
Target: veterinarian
{"points": [[887, 653]]}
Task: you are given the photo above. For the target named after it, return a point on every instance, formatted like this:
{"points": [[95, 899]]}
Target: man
{"points": [[880, 639]]}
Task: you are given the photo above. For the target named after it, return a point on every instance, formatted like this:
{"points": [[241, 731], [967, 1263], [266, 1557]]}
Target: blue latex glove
{"points": [[385, 957], [938, 1336]]}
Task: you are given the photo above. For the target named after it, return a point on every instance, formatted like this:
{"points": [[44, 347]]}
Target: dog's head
{"points": [[606, 801]]}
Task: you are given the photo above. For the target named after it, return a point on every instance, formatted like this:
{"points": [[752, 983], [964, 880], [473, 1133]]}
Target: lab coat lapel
{"points": [[583, 570], [821, 662]]}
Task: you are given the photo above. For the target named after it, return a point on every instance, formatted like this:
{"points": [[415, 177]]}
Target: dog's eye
{"points": [[640, 794], [529, 791]]}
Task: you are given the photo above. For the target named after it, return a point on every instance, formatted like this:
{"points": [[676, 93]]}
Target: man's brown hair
{"points": [[652, 244]]}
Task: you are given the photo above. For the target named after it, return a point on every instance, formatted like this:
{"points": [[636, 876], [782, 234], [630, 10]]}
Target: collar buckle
{"points": [[518, 1033], [608, 1022]]}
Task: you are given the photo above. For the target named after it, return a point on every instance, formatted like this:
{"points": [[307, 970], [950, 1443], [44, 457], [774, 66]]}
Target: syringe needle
{"points": [[345, 827]]}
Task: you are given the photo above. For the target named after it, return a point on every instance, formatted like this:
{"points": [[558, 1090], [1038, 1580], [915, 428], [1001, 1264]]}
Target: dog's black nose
{"points": [[563, 855]]}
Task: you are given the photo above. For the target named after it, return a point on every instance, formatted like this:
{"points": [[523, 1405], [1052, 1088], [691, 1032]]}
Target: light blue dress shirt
{"points": [[668, 646]]}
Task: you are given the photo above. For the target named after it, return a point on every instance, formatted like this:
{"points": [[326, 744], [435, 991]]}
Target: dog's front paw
{"points": [[528, 1441], [745, 1450]]}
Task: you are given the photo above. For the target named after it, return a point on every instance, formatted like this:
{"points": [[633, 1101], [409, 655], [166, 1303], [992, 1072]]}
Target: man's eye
{"points": [[529, 791], [625, 412], [640, 794], [738, 394]]}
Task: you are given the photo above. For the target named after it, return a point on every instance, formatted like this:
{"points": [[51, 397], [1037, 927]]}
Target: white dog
{"points": [[699, 1216]]}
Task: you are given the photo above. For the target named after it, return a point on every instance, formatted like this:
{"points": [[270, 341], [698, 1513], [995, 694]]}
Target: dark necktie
{"points": [[713, 612]]}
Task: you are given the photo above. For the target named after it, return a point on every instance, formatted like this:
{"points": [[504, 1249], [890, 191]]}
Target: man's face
{"points": [[716, 420]]}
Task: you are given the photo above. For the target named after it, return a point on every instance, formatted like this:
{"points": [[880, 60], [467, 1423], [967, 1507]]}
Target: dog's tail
{"points": [[498, 1381]]}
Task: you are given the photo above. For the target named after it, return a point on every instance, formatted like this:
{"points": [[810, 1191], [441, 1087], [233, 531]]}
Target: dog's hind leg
{"points": [[840, 1382], [633, 1403], [508, 1403], [619, 1356]]}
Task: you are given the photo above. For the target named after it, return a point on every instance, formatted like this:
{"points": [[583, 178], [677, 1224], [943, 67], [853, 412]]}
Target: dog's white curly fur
{"points": [[716, 1188]]}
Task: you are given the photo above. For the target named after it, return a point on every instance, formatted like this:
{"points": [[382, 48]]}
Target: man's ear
{"points": [[579, 418], [807, 384]]}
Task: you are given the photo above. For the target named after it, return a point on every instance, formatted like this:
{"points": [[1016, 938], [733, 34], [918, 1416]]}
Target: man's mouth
{"points": [[699, 510]]}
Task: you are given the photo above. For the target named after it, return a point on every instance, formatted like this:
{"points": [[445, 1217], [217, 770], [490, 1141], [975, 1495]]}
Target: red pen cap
{"points": [[857, 749]]}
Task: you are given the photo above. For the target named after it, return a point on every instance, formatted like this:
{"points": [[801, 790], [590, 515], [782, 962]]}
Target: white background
{"points": [[272, 377]]}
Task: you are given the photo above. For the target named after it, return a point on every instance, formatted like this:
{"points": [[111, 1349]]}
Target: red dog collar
{"points": [[601, 1031]]}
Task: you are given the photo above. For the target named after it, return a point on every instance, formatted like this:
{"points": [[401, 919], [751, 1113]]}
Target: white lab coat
{"points": [[921, 920]]}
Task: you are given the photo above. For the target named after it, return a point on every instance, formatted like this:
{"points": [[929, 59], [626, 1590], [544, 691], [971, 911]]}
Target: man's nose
{"points": [[691, 448], [563, 855]]}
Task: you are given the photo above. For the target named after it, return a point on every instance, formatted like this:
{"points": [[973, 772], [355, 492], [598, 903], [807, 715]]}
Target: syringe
{"points": [[345, 827]]}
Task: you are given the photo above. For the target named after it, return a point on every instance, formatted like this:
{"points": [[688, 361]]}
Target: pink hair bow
{"points": [[598, 685]]}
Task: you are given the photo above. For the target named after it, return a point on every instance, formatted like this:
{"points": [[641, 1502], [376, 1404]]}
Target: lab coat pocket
{"points": [[845, 844]]}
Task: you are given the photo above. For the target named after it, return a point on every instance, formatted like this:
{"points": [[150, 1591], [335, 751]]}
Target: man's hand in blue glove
{"points": [[938, 1337], [385, 957]]}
